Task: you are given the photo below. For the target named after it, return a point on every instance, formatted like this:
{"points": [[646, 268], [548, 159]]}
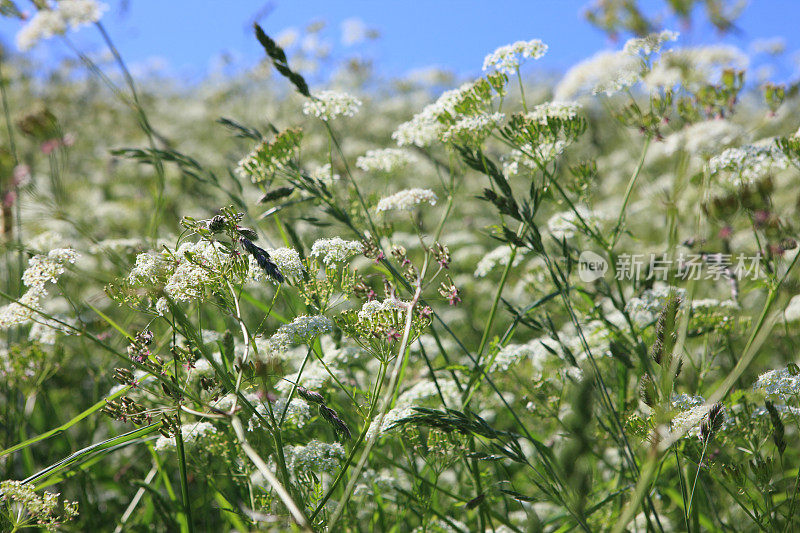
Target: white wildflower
{"points": [[303, 328], [564, 111], [497, 257], [508, 58], [354, 31], [406, 200], [335, 250], [47, 268], [324, 174], [386, 160], [56, 18], [328, 105], [288, 262], [472, 128], [607, 72], [563, 225], [781, 383], [426, 126], [747, 164], [316, 456], [649, 44], [190, 433], [704, 138]]}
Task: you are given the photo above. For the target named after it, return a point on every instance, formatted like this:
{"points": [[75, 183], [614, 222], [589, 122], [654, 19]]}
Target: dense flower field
{"points": [[422, 304]]}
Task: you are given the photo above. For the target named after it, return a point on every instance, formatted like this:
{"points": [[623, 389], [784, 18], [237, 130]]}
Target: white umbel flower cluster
{"points": [[543, 113], [288, 262], [497, 257], [324, 174], [386, 160], [328, 105], [650, 44], [190, 433], [406, 200], [472, 128], [781, 383], [508, 58], [703, 138], [42, 269], [316, 456], [748, 164], [605, 72], [57, 18], [373, 307], [564, 225], [425, 127], [335, 250], [302, 328]]}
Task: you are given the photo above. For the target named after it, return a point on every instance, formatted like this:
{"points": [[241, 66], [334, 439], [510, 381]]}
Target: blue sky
{"points": [[188, 37]]}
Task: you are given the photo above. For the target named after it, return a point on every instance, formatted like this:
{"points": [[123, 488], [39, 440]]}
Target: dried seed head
{"points": [[336, 423], [276, 194], [247, 233], [217, 224], [713, 422], [311, 396]]}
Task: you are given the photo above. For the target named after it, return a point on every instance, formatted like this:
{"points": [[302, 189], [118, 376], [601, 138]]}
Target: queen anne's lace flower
{"points": [[508, 58], [780, 383], [426, 127], [472, 128], [747, 164], [56, 18], [316, 456], [406, 200], [328, 105], [497, 257], [302, 328], [386, 160], [565, 111], [42, 269], [190, 433], [335, 250], [649, 44], [288, 261]]}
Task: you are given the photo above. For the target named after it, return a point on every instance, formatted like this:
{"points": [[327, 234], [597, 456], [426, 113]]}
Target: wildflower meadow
{"points": [[304, 297]]}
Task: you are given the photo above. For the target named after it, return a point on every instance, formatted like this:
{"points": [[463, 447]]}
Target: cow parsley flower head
{"points": [[335, 250], [406, 200], [316, 456], [605, 72], [190, 433], [472, 129], [704, 138], [288, 262], [56, 18], [649, 44], [563, 225], [427, 126], [328, 105], [42, 269], [508, 58], [386, 160], [324, 174], [47, 268], [748, 164], [564, 111], [781, 383], [303, 328], [497, 257]]}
